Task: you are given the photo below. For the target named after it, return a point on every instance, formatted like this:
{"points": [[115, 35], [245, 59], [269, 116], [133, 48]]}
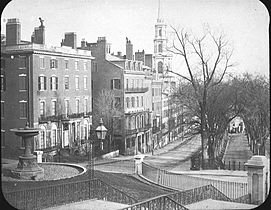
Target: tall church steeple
{"points": [[162, 59]]}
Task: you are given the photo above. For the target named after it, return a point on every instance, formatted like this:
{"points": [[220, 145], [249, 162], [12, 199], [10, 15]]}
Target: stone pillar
{"points": [[39, 156], [138, 163], [258, 182]]}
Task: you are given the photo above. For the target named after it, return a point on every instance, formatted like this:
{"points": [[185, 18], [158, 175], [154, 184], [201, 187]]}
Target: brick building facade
{"points": [[50, 87]]}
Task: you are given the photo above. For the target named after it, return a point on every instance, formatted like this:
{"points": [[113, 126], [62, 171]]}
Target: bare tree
{"points": [[255, 103], [108, 108], [207, 59]]}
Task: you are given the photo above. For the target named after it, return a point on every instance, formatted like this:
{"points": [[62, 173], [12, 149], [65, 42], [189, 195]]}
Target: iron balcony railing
{"points": [[137, 130], [136, 90], [60, 117]]}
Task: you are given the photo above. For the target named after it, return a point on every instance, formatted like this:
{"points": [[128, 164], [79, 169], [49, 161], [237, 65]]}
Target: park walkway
{"points": [[238, 149]]}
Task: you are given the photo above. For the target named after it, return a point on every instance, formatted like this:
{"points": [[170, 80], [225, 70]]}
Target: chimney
{"points": [[70, 40], [129, 49], [13, 32], [38, 36], [119, 54], [83, 44]]}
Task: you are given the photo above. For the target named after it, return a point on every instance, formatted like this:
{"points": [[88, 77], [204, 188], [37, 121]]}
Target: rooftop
{"points": [[45, 48]]}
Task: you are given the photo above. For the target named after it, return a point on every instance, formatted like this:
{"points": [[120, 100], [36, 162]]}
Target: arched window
{"points": [[160, 48], [53, 135], [133, 123], [142, 121], [128, 102], [160, 67], [133, 102], [160, 32], [42, 138], [137, 101]]}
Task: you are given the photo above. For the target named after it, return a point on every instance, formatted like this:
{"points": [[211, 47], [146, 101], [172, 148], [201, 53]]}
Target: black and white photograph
{"points": [[135, 104]]}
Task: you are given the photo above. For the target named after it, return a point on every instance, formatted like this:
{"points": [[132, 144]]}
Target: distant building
{"points": [[50, 87], [130, 82]]}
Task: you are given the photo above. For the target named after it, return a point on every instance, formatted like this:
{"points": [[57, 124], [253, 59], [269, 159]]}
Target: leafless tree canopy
{"points": [[207, 59]]}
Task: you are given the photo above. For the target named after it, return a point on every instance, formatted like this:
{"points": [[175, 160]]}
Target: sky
{"points": [[245, 23]]}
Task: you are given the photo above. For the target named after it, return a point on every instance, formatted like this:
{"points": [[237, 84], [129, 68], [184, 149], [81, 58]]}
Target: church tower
{"points": [[162, 59]]}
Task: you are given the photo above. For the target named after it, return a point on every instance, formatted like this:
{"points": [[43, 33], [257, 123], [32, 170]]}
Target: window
{"points": [[76, 65], [53, 108], [3, 82], [137, 101], [137, 83], [67, 106], [42, 139], [85, 83], [127, 84], [85, 105], [77, 106], [133, 102], [42, 83], [42, 63], [66, 64], [53, 64], [2, 109], [3, 138], [142, 101], [117, 102], [132, 83], [23, 109], [53, 138], [160, 48], [22, 62], [76, 83], [66, 83], [85, 66], [42, 108], [128, 102], [54, 83], [160, 67], [160, 32], [115, 84]]}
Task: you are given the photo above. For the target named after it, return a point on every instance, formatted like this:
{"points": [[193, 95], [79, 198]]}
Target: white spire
{"points": [[159, 18]]}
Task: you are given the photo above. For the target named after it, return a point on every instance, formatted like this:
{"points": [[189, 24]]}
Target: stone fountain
{"points": [[27, 167]]}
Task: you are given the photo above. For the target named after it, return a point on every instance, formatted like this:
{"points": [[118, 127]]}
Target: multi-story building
{"points": [[49, 87], [162, 61], [130, 82]]}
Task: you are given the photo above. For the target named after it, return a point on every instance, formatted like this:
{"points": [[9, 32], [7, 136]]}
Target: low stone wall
{"points": [[111, 154]]}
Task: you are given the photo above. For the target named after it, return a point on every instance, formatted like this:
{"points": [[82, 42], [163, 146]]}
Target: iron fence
{"points": [[59, 194], [163, 202], [233, 190]]}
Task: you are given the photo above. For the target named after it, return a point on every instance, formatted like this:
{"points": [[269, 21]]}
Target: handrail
{"points": [[148, 201]]}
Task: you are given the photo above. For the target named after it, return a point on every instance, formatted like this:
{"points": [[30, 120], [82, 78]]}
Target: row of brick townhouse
{"points": [[50, 87], [53, 88]]}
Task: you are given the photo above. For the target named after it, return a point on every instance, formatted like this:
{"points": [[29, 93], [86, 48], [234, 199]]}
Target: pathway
{"points": [[178, 156], [238, 149]]}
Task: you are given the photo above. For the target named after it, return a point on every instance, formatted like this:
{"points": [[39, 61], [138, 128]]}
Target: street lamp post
{"points": [[101, 133]]}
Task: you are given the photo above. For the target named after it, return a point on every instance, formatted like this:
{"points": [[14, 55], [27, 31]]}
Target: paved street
{"points": [[178, 157], [238, 149]]}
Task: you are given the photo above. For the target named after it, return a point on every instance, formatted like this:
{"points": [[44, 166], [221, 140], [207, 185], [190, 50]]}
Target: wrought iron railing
{"points": [[136, 90], [187, 197], [59, 117], [162, 177], [59, 194], [163, 202]]}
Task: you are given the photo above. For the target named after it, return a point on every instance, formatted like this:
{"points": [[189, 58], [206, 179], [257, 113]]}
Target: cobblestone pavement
{"points": [[238, 149]]}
